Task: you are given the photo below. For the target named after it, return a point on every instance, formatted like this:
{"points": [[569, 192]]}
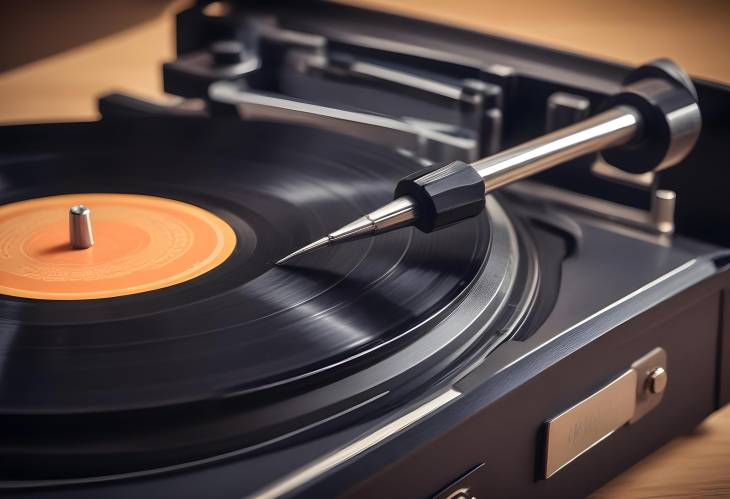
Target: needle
{"points": [[460, 187], [398, 213]]}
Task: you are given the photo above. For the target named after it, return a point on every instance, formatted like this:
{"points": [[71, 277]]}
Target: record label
{"points": [[142, 243]]}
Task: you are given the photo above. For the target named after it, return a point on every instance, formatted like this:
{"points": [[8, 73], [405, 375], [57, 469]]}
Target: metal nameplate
{"points": [[574, 431]]}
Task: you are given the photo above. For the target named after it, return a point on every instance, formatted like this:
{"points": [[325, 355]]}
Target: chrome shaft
{"points": [[609, 128]]}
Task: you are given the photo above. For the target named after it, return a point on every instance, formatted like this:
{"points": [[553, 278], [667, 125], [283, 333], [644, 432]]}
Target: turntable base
{"points": [[63, 96]]}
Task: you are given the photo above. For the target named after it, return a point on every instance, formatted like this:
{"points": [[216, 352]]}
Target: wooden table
{"points": [[58, 56]]}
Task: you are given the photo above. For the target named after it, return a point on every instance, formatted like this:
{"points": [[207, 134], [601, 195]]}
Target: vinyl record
{"points": [[244, 329]]}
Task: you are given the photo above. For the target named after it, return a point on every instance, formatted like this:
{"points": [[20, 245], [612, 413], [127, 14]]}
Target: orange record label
{"points": [[141, 243]]}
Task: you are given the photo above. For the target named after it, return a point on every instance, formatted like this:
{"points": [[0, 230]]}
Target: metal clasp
{"points": [[623, 401]]}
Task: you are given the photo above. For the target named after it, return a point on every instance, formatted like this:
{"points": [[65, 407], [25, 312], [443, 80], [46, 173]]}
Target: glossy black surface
{"points": [[248, 323], [248, 339]]}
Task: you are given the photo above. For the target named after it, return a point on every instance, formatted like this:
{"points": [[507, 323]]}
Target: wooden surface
{"points": [[117, 45], [104, 55]]}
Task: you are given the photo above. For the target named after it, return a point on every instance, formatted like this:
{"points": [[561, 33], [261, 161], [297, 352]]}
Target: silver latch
{"points": [[623, 401]]}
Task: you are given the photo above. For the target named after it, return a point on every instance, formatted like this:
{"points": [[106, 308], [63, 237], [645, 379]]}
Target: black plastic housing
{"points": [[527, 76], [444, 194], [671, 121]]}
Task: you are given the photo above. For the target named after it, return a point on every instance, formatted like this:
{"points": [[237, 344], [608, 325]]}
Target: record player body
{"points": [[521, 353]]}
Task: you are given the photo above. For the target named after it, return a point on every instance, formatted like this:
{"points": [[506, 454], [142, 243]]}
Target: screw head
{"points": [[658, 380]]}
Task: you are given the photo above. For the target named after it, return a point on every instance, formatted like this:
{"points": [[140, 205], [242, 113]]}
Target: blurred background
{"points": [[55, 57]]}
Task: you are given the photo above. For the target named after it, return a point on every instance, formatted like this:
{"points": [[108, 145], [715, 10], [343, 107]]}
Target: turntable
{"points": [[291, 283]]}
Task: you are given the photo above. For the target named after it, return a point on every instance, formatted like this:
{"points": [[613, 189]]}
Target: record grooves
{"points": [[246, 351]]}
